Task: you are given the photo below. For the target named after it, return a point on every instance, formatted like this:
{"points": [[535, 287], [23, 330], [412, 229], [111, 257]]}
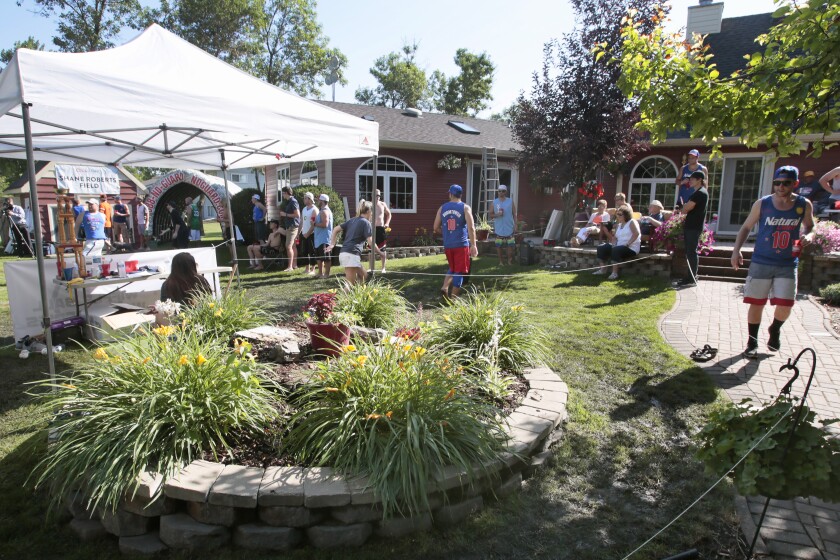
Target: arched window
{"points": [[309, 173], [396, 180], [654, 178]]}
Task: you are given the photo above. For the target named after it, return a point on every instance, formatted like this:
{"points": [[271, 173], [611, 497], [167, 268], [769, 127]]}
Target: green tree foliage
{"points": [[788, 87], [576, 122], [294, 51], [506, 115], [468, 92], [87, 25], [29, 43], [227, 29], [402, 83]]}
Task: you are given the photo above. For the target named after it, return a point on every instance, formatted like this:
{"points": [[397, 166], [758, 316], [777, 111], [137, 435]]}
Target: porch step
{"points": [[721, 272], [730, 279], [718, 266]]}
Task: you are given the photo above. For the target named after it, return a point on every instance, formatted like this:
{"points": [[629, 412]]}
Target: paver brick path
{"points": [[713, 313]]}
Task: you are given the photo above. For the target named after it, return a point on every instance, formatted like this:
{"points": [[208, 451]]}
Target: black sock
{"points": [[753, 330], [777, 325]]}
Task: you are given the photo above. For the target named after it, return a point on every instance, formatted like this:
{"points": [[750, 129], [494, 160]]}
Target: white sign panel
{"points": [[87, 179], [25, 298]]}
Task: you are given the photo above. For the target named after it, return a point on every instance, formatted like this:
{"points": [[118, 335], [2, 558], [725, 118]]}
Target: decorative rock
{"points": [[182, 531], [543, 385], [370, 335], [142, 506], [537, 461], [149, 485], [323, 488], [397, 527], [451, 477], [290, 516], [237, 486], [356, 514], [554, 417], [539, 426], [522, 441], [361, 492], [77, 506], [144, 545], [510, 486], [88, 529], [211, 514], [339, 536], [262, 537], [282, 486], [194, 482], [453, 514], [543, 400], [288, 351], [124, 524]]}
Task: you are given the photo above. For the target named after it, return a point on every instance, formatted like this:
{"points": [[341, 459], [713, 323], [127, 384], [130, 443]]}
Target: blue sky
{"points": [[513, 34]]}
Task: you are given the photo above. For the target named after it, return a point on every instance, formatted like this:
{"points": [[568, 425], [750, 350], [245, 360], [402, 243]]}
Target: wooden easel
{"points": [[67, 236]]}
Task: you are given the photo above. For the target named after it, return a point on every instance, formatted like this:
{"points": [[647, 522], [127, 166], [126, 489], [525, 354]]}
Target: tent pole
{"points": [[230, 221], [372, 258], [39, 237]]}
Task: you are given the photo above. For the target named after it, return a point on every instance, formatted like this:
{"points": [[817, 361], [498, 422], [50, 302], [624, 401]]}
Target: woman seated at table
{"points": [[258, 249], [593, 226], [654, 218], [184, 282], [625, 242]]}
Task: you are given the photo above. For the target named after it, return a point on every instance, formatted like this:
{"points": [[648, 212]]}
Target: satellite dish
{"points": [[333, 65], [332, 78]]}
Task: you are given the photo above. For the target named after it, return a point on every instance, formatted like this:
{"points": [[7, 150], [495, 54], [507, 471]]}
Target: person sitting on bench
{"points": [[258, 250]]}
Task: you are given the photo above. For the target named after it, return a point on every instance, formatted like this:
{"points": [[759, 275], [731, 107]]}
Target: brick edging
{"points": [[208, 505]]}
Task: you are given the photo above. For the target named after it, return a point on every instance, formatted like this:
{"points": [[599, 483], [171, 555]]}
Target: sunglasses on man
{"points": [[785, 183]]}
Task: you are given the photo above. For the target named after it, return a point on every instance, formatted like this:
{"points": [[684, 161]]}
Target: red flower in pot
{"points": [[329, 330]]}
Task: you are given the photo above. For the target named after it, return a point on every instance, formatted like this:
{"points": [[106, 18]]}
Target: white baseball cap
{"points": [[309, 195], [502, 187], [324, 197]]}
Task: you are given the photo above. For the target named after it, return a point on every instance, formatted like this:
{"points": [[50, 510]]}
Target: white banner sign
{"points": [[87, 179]]}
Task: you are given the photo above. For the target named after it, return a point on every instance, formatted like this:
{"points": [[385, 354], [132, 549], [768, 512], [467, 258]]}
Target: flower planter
{"points": [[482, 234], [328, 338]]}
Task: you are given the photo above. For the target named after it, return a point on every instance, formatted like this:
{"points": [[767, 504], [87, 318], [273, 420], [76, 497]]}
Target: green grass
{"points": [[624, 468]]}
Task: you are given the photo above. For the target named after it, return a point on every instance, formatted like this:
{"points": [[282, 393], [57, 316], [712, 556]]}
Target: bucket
{"points": [[130, 266]]}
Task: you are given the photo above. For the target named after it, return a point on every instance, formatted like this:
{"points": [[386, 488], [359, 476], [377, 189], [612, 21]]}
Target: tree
{"points": [[227, 29], [577, 121], [506, 115], [402, 83], [788, 87], [87, 25], [467, 93], [29, 43], [295, 53]]}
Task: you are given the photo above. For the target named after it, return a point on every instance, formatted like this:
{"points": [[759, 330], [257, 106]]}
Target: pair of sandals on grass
{"points": [[703, 354]]}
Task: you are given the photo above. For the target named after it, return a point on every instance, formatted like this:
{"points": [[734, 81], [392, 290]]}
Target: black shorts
{"points": [[307, 246], [322, 254], [381, 237]]}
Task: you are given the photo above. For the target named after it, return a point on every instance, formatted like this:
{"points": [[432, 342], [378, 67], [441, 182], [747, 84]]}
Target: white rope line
{"points": [[704, 494]]}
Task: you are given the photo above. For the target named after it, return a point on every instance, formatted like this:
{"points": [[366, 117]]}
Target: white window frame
{"points": [[655, 182], [308, 177], [237, 177], [513, 187], [386, 183], [284, 179]]}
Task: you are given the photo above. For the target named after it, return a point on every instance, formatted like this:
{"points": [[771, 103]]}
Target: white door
{"points": [[740, 188]]}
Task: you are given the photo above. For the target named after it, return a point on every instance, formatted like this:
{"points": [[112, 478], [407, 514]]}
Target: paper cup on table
{"points": [[68, 274]]}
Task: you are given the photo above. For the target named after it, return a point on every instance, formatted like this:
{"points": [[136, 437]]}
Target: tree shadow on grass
{"points": [[15, 380]]}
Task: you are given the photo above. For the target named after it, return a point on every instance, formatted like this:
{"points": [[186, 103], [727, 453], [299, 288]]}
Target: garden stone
{"points": [[543, 385], [237, 486], [361, 492], [286, 352], [194, 482], [529, 423], [143, 545], [542, 400], [142, 506], [537, 462], [366, 334], [282, 486], [522, 441], [397, 527], [451, 477], [323, 488], [148, 485], [339, 536], [356, 514], [124, 524], [453, 514], [212, 514], [554, 417], [88, 529], [182, 531], [77, 506], [290, 516], [509, 486], [261, 537]]}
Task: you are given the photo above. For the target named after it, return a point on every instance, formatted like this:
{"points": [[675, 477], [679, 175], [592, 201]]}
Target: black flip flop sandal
{"points": [[704, 354]]}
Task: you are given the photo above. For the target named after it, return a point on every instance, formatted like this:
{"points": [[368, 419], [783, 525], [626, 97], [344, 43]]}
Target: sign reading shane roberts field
{"points": [[87, 179]]}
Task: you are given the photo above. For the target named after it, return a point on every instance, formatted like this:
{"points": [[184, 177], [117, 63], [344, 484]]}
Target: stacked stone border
{"points": [[209, 505]]}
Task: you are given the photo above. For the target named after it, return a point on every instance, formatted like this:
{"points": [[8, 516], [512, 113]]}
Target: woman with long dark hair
{"points": [[184, 282]]}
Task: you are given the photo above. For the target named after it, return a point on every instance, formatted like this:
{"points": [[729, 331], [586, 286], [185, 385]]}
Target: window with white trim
{"points": [[653, 178], [237, 177], [309, 173], [394, 178], [283, 180]]}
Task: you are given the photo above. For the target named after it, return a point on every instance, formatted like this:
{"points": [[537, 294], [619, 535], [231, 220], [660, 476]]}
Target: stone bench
{"points": [[209, 505]]}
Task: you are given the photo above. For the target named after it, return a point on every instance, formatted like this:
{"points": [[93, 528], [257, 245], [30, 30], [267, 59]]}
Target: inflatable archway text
{"points": [[214, 191]]}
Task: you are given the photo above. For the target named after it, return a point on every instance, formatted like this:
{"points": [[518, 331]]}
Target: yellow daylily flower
{"points": [[333, 389], [100, 354], [348, 348], [69, 385], [146, 360], [218, 313], [164, 330], [447, 318], [211, 305], [361, 359], [182, 361], [373, 416], [449, 395], [199, 360], [389, 414]]}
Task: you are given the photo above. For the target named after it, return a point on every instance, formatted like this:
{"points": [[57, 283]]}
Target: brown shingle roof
{"points": [[431, 131]]}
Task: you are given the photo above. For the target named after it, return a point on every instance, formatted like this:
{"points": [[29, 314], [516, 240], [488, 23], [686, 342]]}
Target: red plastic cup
{"points": [[106, 268]]}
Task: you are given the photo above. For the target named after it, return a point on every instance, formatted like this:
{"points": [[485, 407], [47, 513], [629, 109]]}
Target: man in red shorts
{"points": [[455, 221]]}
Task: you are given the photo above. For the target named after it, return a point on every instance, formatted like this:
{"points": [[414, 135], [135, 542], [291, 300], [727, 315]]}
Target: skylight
{"points": [[461, 126]]}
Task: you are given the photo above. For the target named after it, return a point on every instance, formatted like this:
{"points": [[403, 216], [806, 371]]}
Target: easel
{"points": [[67, 236]]}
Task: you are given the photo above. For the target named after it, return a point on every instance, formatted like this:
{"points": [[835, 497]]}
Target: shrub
{"points": [[810, 468], [376, 303], [491, 330], [151, 402], [670, 234], [336, 203], [826, 237], [395, 413], [221, 318], [831, 293], [243, 212]]}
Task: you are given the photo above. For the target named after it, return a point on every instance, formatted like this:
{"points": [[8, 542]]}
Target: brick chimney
{"points": [[704, 18]]}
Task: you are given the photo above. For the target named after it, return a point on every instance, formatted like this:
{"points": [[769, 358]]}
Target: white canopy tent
{"points": [[158, 101]]}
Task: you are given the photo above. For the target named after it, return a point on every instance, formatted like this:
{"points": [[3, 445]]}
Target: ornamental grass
{"points": [[397, 414], [235, 311], [151, 402], [376, 304]]}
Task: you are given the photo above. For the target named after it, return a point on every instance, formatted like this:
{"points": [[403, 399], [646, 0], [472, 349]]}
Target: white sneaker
{"points": [[599, 271], [383, 271], [613, 276], [24, 353]]}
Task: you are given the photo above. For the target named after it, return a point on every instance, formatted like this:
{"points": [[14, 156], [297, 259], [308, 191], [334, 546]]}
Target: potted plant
{"points": [[482, 229], [329, 330]]}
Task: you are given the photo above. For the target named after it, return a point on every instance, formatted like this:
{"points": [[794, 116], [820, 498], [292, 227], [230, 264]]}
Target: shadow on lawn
{"points": [[15, 381]]}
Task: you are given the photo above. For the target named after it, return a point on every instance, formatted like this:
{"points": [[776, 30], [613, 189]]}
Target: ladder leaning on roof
{"points": [[489, 180]]}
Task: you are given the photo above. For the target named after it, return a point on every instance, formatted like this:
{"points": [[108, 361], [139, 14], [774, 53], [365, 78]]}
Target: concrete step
{"points": [[712, 260], [731, 279], [721, 271]]}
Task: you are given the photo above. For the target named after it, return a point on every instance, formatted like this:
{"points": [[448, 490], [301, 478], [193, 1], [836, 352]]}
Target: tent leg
{"points": [[230, 222], [374, 201], [39, 237]]}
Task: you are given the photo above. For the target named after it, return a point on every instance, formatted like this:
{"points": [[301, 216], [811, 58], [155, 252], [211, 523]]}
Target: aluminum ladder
{"points": [[489, 180]]}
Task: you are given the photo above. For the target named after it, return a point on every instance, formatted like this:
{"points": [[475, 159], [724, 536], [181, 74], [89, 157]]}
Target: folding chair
{"points": [[273, 257]]}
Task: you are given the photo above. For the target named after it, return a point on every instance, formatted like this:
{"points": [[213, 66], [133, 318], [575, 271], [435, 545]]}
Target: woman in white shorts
{"points": [[357, 231]]}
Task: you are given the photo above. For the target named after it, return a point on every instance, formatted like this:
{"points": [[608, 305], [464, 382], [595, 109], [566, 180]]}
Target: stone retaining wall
{"points": [[569, 258], [817, 272], [210, 505]]}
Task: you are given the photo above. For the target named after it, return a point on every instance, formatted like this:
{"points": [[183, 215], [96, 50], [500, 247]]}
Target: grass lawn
{"points": [[623, 469]]}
